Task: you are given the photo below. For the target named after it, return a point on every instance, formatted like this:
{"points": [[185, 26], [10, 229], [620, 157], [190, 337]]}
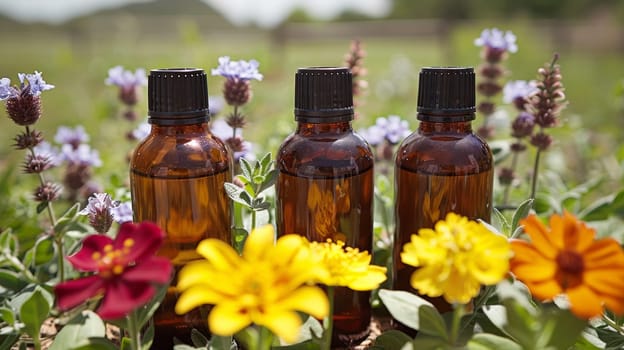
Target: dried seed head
{"points": [[236, 121], [27, 140], [35, 164], [47, 192], [24, 109], [541, 140], [506, 176], [237, 92]]}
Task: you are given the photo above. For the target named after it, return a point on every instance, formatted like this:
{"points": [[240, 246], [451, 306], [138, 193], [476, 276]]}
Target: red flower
{"points": [[125, 270]]}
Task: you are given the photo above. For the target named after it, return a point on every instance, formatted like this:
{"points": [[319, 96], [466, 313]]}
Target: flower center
{"points": [[112, 262], [570, 262]]}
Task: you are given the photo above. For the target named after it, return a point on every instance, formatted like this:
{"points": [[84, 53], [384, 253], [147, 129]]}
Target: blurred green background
{"points": [[76, 54]]}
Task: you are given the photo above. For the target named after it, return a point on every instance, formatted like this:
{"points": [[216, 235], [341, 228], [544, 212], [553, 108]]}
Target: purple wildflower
{"points": [[6, 90], [215, 104], [393, 129], [45, 149], [233, 138], [497, 39], [68, 136], [99, 210], [374, 135], [122, 212], [141, 131], [35, 83], [126, 79], [242, 70], [83, 155]]}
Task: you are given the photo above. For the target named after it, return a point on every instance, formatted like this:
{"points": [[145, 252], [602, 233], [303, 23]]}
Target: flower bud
{"points": [[541, 140], [237, 92], [24, 109], [47, 192], [28, 140]]}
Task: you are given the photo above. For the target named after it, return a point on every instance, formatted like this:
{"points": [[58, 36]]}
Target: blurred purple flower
{"points": [[122, 212], [99, 210], [519, 89], [46, 149], [71, 136], [215, 105], [234, 139], [35, 83], [141, 131], [124, 78], [243, 70], [6, 90], [392, 129], [497, 39], [83, 155]]}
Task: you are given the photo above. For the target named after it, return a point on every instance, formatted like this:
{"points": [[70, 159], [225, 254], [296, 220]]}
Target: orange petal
{"points": [[605, 281], [524, 252], [544, 290], [584, 302], [540, 237], [604, 252], [614, 303], [576, 234]]}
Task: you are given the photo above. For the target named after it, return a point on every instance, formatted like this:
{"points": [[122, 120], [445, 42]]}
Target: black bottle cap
{"points": [[177, 96], [447, 92], [323, 94]]}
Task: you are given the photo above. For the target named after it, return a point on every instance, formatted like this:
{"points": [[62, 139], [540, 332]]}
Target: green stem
{"points": [[611, 323], [253, 220], [265, 339], [134, 331], [458, 312], [514, 164], [328, 321], [535, 171], [235, 115], [15, 262]]}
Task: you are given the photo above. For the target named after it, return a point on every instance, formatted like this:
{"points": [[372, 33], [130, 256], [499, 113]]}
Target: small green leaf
{"points": [[565, 328], [41, 207], [392, 339], [245, 167], [431, 322], [78, 330], [97, 344], [265, 162], [217, 342], [67, 219], [484, 341], [403, 306], [9, 243], [147, 337], [144, 314], [523, 210], [199, 340], [7, 341], [501, 222], [269, 180], [8, 315], [600, 209], [424, 341], [10, 281], [43, 250], [236, 193], [34, 312]]}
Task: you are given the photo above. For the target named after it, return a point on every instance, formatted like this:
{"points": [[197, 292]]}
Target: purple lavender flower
{"points": [[242, 70], [233, 139], [393, 129], [45, 149], [68, 136], [6, 90], [83, 155], [141, 131], [497, 39], [99, 210], [126, 79], [35, 83], [122, 212], [215, 104], [518, 89]]}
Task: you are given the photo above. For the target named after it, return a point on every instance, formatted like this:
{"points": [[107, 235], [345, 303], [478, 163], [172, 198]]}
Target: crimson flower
{"points": [[125, 270]]}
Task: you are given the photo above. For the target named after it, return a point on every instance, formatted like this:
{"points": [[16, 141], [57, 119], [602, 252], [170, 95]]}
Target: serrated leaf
{"points": [[522, 212], [78, 330], [484, 341], [403, 306], [34, 312]]}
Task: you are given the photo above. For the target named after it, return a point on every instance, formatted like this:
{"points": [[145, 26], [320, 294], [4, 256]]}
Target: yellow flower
{"points": [[456, 258], [348, 267], [565, 259], [264, 286]]}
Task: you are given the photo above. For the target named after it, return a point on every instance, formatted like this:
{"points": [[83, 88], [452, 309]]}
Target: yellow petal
{"points": [[284, 324], [259, 240], [541, 238], [584, 303], [460, 289], [308, 299], [369, 280], [196, 272], [227, 318], [219, 253], [196, 296]]}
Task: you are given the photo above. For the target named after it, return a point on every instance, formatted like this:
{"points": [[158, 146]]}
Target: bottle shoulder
{"points": [[314, 155], [193, 154], [444, 153]]}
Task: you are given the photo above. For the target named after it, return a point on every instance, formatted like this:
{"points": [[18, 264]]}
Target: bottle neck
{"points": [[199, 128], [304, 128], [462, 127]]}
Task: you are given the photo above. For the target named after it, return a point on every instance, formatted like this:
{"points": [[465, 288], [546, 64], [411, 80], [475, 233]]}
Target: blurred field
{"points": [[77, 63]]}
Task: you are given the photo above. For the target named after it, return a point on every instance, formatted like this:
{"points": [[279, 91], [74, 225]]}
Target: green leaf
{"points": [[403, 306], [269, 180], [34, 312], [97, 344], [431, 322], [484, 341], [306, 345], [617, 205], [41, 207], [217, 342], [8, 315], [9, 243], [522, 212], [199, 340], [246, 168], [144, 314], [564, 328], [235, 194], [147, 338], [78, 330], [424, 341], [246, 198], [10, 281], [501, 222], [265, 162], [67, 219], [43, 250], [7, 341], [392, 339]]}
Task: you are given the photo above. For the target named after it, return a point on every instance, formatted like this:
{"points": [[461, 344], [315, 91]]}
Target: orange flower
{"points": [[566, 259]]}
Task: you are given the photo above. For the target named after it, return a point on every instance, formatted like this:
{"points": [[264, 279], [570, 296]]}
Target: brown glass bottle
{"points": [[325, 183], [442, 167], [176, 178]]}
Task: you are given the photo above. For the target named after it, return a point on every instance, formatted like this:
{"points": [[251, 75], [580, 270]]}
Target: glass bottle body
{"points": [[442, 167], [325, 191], [176, 178]]}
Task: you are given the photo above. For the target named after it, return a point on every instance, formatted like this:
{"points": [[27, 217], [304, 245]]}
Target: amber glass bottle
{"points": [[325, 182], [177, 176], [442, 167]]}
